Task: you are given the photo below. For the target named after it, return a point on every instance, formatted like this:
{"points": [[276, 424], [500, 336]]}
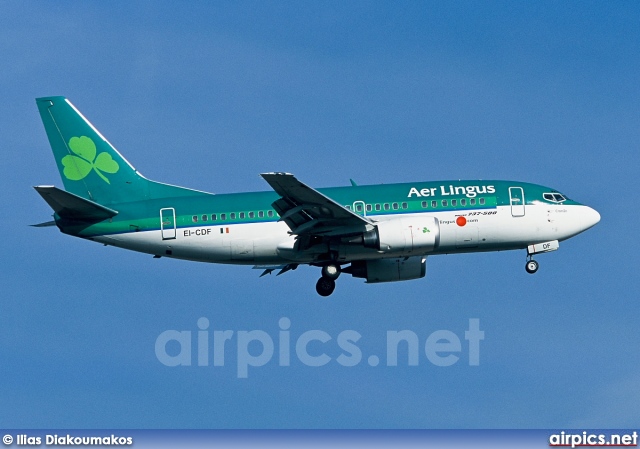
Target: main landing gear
{"points": [[531, 266], [327, 283]]}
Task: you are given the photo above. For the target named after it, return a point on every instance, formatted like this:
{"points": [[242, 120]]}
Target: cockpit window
{"points": [[554, 197]]}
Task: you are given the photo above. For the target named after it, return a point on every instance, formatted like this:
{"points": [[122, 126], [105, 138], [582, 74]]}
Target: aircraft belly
{"points": [[243, 244], [145, 242], [467, 237], [493, 230], [264, 251], [241, 250], [517, 231]]}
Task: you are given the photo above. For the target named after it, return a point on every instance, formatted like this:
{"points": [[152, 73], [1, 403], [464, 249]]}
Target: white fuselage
{"points": [[271, 242]]}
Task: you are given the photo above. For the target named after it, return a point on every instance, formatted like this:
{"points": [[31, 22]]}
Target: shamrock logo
{"points": [[78, 167], [425, 230]]}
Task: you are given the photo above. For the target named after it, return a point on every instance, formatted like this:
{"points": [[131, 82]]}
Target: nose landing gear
{"points": [[327, 283], [537, 248]]}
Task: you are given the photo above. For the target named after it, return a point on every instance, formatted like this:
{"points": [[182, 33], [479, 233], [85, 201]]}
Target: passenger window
{"points": [[463, 202], [482, 201], [195, 218], [369, 208], [445, 203], [260, 214], [358, 207], [205, 218], [405, 205], [232, 215], [214, 217], [386, 206], [472, 201], [241, 214], [434, 204], [223, 217], [377, 207], [395, 206], [454, 203], [251, 215], [424, 204], [270, 213]]}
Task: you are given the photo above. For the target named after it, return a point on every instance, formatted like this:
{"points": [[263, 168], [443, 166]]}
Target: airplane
{"points": [[381, 233]]}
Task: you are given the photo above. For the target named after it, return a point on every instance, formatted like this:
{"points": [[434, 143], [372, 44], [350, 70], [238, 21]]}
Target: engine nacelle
{"points": [[389, 270], [407, 235]]}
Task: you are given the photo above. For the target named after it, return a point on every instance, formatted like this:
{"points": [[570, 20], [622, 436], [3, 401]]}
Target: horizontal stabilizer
{"points": [[46, 224], [73, 207]]}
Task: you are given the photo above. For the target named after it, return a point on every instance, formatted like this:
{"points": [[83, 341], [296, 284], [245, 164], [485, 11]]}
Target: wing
{"points": [[308, 212]]}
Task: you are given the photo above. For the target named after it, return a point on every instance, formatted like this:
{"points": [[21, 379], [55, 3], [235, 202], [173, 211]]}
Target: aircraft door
{"points": [[516, 198], [168, 223], [360, 208]]}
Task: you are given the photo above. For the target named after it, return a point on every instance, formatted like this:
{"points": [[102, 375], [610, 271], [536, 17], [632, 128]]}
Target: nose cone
{"points": [[589, 217]]}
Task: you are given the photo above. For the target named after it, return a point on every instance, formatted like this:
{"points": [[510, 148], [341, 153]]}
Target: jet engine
{"points": [[410, 235]]}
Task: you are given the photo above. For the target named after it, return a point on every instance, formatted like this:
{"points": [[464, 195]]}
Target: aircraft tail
{"points": [[89, 165]]}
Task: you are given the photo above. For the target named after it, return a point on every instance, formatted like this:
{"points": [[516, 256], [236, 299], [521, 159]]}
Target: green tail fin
{"points": [[89, 165]]}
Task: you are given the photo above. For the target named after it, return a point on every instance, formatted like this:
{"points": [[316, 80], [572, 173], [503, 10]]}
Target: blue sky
{"points": [[209, 95]]}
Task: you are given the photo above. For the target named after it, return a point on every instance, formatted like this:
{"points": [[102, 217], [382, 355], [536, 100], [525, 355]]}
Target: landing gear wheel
{"points": [[325, 286], [531, 266], [331, 271]]}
